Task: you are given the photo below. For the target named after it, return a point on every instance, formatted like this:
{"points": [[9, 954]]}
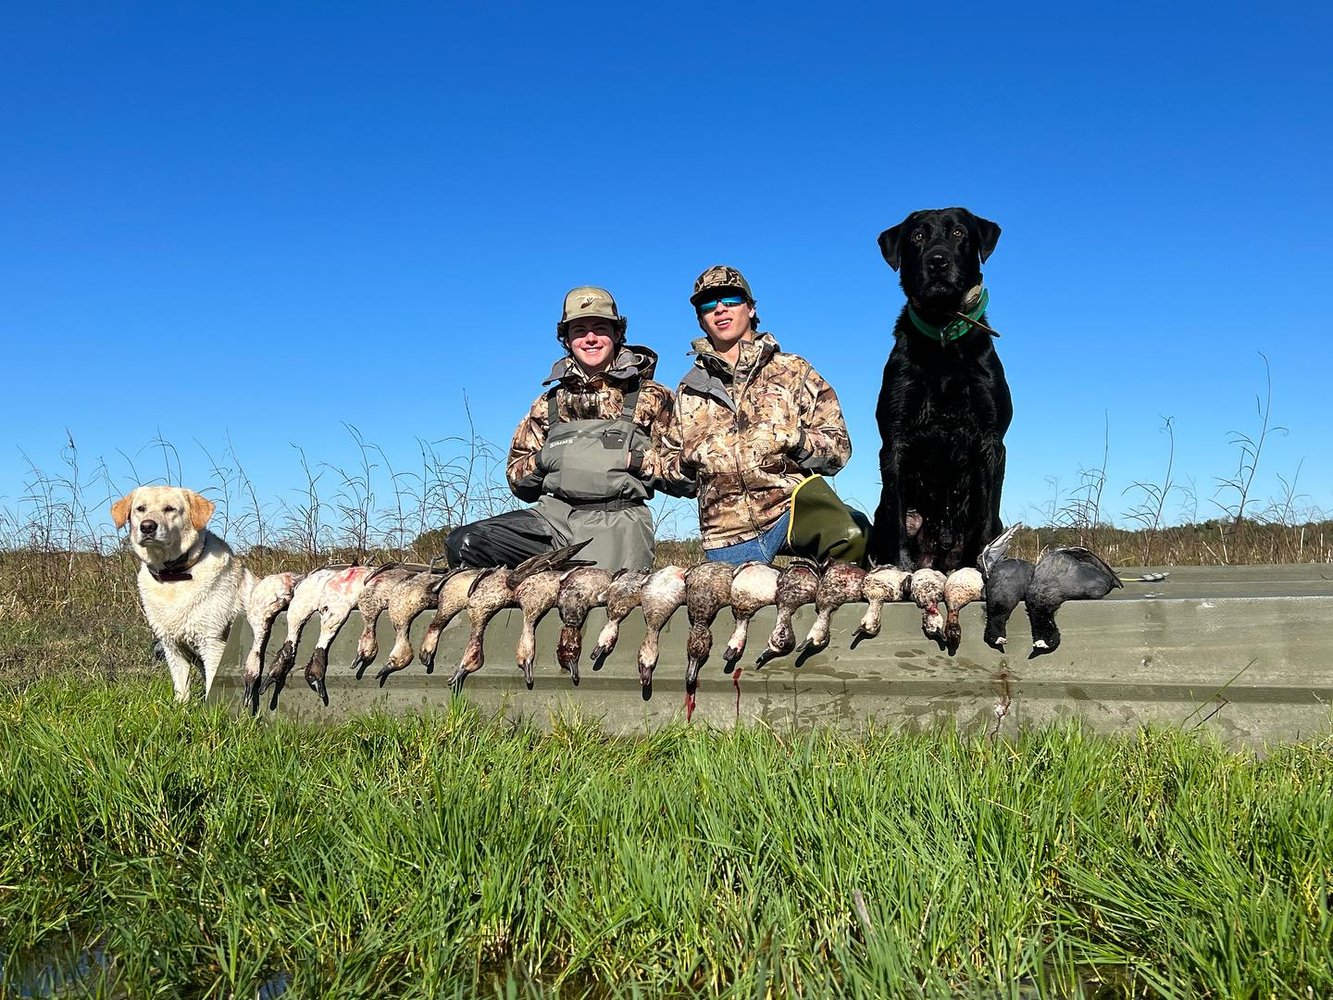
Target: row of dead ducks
{"points": [[558, 580]]}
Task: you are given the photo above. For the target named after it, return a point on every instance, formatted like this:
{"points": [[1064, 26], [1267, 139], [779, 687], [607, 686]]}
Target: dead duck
{"points": [[536, 596], [927, 592], [961, 588], [1006, 585], [581, 590], [374, 601], [490, 591], [796, 586], [303, 605], [493, 590], [409, 597], [884, 585], [839, 584], [662, 594], [622, 597], [267, 599], [754, 586], [1006, 582], [1066, 574], [448, 596], [339, 596], [707, 591]]}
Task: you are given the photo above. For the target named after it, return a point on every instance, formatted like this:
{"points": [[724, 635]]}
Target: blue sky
{"points": [[314, 215]]}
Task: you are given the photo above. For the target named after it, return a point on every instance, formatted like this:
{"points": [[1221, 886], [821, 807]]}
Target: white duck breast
{"points": [[662, 595], [340, 595], [754, 586], [266, 600], [305, 602]]}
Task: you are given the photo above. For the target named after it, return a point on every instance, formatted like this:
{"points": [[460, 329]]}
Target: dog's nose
{"points": [[147, 527], [937, 260]]}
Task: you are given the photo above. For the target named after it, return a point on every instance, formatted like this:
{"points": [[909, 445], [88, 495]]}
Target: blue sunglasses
{"points": [[730, 301]]}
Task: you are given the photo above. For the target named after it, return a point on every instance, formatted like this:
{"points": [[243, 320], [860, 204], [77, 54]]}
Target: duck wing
{"points": [[1073, 574], [995, 551]]}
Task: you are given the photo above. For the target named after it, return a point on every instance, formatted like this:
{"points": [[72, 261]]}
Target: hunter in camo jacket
{"points": [[751, 422]]}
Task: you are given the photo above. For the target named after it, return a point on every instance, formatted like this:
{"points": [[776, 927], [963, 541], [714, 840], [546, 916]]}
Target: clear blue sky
{"points": [[316, 214]]}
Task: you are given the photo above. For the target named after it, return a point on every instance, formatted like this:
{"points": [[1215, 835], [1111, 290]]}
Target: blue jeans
{"points": [[761, 549]]}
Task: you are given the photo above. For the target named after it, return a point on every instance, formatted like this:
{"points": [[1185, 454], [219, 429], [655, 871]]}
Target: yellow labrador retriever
{"points": [[190, 584]]}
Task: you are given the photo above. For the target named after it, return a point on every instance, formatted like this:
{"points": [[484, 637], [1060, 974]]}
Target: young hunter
{"points": [[752, 423], [586, 453]]}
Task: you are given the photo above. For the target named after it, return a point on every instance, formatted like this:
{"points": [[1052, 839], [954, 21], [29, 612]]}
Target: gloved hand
{"points": [[548, 459]]}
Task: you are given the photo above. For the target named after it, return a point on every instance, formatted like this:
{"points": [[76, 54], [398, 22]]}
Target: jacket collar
{"points": [[631, 361], [753, 355], [712, 375]]}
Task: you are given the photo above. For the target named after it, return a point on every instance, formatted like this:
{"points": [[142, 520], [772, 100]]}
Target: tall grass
{"points": [[454, 853]]}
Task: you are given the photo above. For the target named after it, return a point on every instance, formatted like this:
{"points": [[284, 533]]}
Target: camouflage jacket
{"points": [[743, 438], [596, 397]]}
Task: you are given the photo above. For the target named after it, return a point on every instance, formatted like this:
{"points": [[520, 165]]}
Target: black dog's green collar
{"points": [[954, 328]]}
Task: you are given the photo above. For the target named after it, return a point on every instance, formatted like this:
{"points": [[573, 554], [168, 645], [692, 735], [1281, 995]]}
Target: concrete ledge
{"points": [[1245, 651]]}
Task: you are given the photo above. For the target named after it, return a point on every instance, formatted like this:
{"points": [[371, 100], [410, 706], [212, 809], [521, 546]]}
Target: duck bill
{"points": [[646, 678], [567, 651], [317, 668], [692, 667], [282, 664], [359, 664], [953, 633], [729, 657]]}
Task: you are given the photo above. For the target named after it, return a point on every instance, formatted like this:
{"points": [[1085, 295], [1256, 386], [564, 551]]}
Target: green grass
{"points": [[452, 854]]}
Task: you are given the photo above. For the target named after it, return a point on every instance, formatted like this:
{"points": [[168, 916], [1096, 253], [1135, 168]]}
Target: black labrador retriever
{"points": [[944, 405]]}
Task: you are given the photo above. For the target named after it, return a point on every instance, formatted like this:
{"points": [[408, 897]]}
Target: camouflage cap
{"points": [[718, 278], [588, 300]]}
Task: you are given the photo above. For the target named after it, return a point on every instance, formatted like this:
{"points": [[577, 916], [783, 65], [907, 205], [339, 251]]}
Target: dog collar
{"points": [[178, 570], [955, 328]]}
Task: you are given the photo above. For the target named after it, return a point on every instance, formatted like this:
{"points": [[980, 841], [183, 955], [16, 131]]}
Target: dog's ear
{"points": [[888, 242], [120, 510], [987, 235], [201, 509]]}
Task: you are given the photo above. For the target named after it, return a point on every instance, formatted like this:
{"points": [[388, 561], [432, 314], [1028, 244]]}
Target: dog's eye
{"points": [[168, 510], [918, 237], [141, 508], [959, 232]]}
